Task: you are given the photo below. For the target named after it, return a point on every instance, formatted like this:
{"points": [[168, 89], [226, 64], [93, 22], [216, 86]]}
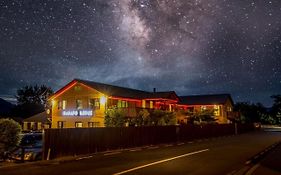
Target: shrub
{"points": [[115, 118], [9, 135]]}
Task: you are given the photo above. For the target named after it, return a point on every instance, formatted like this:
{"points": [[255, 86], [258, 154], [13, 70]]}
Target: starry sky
{"points": [[189, 46]]}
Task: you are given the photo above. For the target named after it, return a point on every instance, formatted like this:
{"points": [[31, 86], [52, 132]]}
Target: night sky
{"points": [[190, 46]]}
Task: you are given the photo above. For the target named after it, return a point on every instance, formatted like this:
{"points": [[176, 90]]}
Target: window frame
{"points": [[60, 124], [77, 123], [79, 104]]}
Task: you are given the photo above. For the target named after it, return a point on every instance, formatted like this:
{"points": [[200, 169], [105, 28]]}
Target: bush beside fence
{"points": [[78, 141]]}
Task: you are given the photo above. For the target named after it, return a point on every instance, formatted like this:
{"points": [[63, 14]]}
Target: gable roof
{"points": [[40, 117], [205, 99], [117, 91]]}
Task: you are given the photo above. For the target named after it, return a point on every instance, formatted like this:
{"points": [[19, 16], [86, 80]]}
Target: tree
{"points": [[142, 118], [34, 95], [9, 135], [160, 118], [31, 100], [203, 116], [276, 108], [115, 117], [250, 112]]}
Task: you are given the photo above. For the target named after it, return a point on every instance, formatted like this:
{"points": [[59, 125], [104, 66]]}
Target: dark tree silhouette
{"points": [[31, 100], [276, 108]]}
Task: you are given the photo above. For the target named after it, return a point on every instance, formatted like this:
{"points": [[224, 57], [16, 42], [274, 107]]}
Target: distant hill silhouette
{"points": [[5, 107]]}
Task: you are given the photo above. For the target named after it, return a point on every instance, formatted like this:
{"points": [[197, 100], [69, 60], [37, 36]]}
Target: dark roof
{"points": [[205, 99], [165, 95], [40, 117], [117, 91]]}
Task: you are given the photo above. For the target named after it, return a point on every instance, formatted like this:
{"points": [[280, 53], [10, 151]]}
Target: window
{"points": [[94, 103], [64, 104], [143, 103], [122, 104], [91, 103], [151, 104], [97, 103], [28, 126], [34, 126], [203, 108], [93, 124], [90, 124], [59, 105], [79, 104], [96, 124], [78, 124], [61, 124], [216, 110]]}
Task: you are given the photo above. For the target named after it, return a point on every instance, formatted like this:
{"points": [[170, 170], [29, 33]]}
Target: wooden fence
{"points": [[77, 141]]}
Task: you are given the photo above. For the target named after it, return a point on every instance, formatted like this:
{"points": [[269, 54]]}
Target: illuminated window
{"points": [[79, 104], [216, 110], [64, 104], [143, 103], [78, 124], [151, 104], [94, 103], [61, 124], [90, 124], [203, 108], [96, 124], [122, 104], [97, 103]]}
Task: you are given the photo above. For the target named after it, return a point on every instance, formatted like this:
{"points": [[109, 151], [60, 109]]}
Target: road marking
{"points": [[87, 157], [161, 161], [139, 149], [112, 153], [250, 172]]}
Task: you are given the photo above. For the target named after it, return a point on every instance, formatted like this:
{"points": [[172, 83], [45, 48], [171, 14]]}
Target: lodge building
{"points": [[83, 103]]}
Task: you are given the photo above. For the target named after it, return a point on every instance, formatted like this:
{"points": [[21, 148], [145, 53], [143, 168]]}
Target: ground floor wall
{"points": [[77, 122], [35, 126]]}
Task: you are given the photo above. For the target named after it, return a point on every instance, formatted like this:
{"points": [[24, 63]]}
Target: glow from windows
{"points": [[102, 100]]}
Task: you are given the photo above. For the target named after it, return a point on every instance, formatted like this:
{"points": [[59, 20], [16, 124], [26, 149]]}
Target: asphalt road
{"points": [[224, 155]]}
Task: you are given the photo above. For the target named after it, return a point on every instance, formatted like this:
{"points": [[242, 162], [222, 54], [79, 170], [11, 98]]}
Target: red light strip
{"points": [[61, 91], [127, 99], [154, 99]]}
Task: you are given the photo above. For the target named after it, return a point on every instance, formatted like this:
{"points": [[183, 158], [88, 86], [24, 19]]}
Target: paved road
{"points": [[214, 156]]}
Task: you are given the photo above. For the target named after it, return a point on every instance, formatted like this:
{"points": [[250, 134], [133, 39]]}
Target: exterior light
{"points": [[102, 100]]}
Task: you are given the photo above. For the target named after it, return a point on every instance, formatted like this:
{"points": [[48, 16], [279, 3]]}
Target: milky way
{"points": [[190, 46]]}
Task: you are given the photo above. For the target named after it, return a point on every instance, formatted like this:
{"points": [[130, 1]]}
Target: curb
{"points": [[256, 158]]}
